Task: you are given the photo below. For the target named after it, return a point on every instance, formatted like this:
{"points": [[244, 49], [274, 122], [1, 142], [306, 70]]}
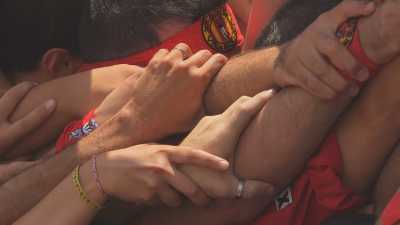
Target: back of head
{"points": [[116, 28], [31, 27]]}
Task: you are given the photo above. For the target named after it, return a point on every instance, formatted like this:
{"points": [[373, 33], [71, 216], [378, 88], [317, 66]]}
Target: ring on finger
{"points": [[240, 189], [184, 54]]}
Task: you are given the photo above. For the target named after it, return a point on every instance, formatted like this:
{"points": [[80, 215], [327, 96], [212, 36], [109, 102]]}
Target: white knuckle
{"points": [[181, 67], [243, 99]]}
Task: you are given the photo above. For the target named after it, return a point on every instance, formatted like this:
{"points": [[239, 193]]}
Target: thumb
{"points": [[257, 189], [349, 9], [243, 110]]}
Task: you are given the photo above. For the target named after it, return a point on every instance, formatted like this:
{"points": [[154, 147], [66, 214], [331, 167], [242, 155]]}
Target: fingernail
{"points": [[224, 164], [268, 93], [35, 84], [370, 6], [50, 104], [222, 59], [363, 75], [27, 85], [354, 90]]}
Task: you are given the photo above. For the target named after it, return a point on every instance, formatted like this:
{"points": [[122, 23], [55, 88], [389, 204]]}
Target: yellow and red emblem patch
{"points": [[219, 30]]}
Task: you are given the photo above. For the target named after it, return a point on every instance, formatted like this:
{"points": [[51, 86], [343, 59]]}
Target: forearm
{"points": [[235, 212], [10, 170], [75, 95], [74, 210], [25, 190], [246, 75], [285, 134]]}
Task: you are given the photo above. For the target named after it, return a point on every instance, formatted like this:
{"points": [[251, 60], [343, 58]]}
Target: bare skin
{"points": [[137, 174], [371, 147], [72, 105]]}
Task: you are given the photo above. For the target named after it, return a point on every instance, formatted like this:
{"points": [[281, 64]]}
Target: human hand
{"points": [[118, 98], [11, 133], [141, 173], [379, 33], [165, 99], [219, 135], [311, 60]]}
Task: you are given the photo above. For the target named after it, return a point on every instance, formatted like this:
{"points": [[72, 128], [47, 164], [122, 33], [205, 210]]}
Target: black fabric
{"points": [[292, 20]]}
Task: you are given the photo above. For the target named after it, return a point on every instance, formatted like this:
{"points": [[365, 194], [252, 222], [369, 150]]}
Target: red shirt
{"points": [[316, 195]]}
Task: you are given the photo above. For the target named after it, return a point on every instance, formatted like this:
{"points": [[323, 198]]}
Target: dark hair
{"points": [[292, 20], [31, 27], [117, 28]]}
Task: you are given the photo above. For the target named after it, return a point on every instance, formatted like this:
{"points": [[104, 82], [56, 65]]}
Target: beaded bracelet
{"points": [[82, 193], [96, 176]]}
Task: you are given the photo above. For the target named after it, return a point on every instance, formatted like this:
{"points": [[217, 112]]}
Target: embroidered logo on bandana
{"points": [[284, 200], [219, 30]]}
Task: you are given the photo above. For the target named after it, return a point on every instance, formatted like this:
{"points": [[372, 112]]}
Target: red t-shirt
{"points": [[316, 195], [391, 215]]}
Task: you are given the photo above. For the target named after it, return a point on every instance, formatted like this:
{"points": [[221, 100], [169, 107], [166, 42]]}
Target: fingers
{"points": [[243, 110], [181, 52], [251, 189], [182, 155], [12, 98], [160, 54], [254, 189], [187, 187], [199, 58], [311, 83], [347, 10], [33, 120], [342, 59], [169, 196], [325, 72], [212, 66]]}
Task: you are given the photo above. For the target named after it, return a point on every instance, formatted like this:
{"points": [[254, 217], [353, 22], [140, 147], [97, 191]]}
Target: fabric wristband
{"points": [[358, 52], [76, 130], [349, 35]]}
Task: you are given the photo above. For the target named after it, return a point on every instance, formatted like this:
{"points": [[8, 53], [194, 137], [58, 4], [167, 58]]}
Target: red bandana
{"points": [[218, 32]]}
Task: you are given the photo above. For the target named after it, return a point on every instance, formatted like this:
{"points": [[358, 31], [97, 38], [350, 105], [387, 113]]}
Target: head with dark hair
{"points": [[53, 33], [116, 28], [292, 20], [32, 28]]}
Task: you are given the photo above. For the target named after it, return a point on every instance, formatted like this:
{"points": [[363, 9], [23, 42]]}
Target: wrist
{"points": [[86, 148], [106, 174], [90, 186]]}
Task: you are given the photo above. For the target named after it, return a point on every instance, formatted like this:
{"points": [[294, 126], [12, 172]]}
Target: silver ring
{"points": [[182, 51], [240, 189]]}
